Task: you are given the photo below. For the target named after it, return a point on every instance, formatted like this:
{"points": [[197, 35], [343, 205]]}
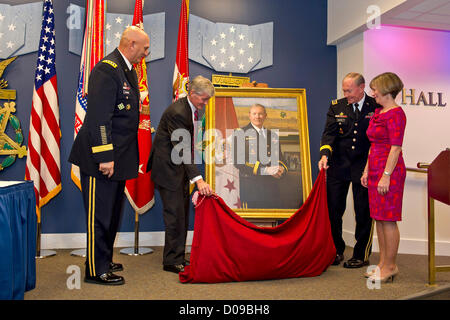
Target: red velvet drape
{"points": [[226, 247]]}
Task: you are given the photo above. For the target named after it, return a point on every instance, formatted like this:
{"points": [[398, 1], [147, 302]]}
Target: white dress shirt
{"points": [[193, 109], [129, 65]]}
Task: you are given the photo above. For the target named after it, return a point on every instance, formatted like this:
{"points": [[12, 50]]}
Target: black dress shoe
{"points": [[106, 279], [176, 268], [339, 258], [114, 267], [355, 263]]}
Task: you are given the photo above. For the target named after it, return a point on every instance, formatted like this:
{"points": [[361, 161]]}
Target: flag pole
{"points": [[41, 254], [136, 250]]}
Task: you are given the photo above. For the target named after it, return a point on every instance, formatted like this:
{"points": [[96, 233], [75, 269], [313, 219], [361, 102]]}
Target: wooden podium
{"points": [[438, 189]]}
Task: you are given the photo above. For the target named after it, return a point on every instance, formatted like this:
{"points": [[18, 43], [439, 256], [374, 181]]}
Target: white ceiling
{"points": [[432, 14]]}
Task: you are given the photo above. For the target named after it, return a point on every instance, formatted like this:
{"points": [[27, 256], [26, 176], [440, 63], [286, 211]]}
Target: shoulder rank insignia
{"points": [[111, 63], [334, 102]]}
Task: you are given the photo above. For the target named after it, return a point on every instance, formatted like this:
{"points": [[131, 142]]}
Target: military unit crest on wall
{"points": [[11, 136]]}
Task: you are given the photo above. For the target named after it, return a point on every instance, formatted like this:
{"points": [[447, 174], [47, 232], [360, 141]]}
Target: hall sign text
{"points": [[431, 99]]}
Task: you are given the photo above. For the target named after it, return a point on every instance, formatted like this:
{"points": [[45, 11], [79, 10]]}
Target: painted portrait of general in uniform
{"points": [[260, 165]]}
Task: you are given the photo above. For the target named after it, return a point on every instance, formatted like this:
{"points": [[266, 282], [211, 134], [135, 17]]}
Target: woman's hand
{"points": [[365, 179], [383, 184]]}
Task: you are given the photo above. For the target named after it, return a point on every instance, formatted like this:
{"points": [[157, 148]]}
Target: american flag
{"points": [[43, 162], [80, 113], [92, 52]]}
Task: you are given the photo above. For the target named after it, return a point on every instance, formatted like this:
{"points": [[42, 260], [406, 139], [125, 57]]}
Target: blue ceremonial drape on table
{"points": [[17, 240]]}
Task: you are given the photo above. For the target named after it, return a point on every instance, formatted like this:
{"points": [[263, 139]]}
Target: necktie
{"points": [[196, 115], [356, 111], [194, 137], [261, 133]]}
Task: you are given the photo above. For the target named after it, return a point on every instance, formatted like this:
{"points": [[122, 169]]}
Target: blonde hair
{"points": [[387, 83]]}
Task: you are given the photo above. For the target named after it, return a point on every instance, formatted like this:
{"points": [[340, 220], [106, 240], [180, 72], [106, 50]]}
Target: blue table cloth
{"points": [[17, 240]]}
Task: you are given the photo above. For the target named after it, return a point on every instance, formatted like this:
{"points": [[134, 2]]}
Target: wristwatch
{"points": [[387, 173]]}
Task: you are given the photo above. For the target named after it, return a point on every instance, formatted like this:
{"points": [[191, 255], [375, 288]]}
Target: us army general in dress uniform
{"points": [[344, 149], [259, 180], [106, 150]]}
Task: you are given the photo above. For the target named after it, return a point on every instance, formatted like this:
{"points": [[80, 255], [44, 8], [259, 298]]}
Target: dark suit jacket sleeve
{"points": [[329, 134], [102, 92], [184, 122]]}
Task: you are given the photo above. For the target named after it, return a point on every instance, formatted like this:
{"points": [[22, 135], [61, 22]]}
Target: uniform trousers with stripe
{"points": [[103, 202], [337, 198], [176, 219]]}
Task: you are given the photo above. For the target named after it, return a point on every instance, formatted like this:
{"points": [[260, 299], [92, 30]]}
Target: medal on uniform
{"points": [[126, 89]]}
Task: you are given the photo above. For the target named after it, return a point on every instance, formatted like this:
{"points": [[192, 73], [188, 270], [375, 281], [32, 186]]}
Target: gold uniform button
{"points": [[354, 140], [128, 106], [356, 124], [355, 132], [353, 147]]}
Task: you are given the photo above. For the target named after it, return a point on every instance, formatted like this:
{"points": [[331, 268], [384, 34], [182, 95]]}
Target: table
{"points": [[17, 239]]}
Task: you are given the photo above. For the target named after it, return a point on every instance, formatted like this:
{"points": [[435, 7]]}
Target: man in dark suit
{"points": [[344, 149], [173, 168], [260, 164], [106, 150]]}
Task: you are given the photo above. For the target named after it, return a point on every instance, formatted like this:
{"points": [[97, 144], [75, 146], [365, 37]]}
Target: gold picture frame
{"points": [[287, 113]]}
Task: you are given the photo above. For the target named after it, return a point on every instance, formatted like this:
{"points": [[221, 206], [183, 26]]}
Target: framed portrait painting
{"points": [[256, 145]]}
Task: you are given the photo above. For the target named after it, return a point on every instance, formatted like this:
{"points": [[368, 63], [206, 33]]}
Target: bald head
{"points": [[134, 44]]}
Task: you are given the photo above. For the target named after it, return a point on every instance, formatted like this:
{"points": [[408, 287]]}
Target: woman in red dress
{"points": [[385, 171]]}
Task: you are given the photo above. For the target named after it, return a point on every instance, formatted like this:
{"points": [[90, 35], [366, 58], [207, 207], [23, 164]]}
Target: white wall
{"points": [[349, 17], [350, 58]]}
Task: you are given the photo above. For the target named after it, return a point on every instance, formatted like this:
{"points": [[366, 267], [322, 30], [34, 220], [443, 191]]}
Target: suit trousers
{"points": [[176, 220], [337, 198], [103, 202]]}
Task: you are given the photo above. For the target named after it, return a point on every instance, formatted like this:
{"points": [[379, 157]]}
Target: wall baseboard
{"points": [[407, 246], [123, 239]]}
